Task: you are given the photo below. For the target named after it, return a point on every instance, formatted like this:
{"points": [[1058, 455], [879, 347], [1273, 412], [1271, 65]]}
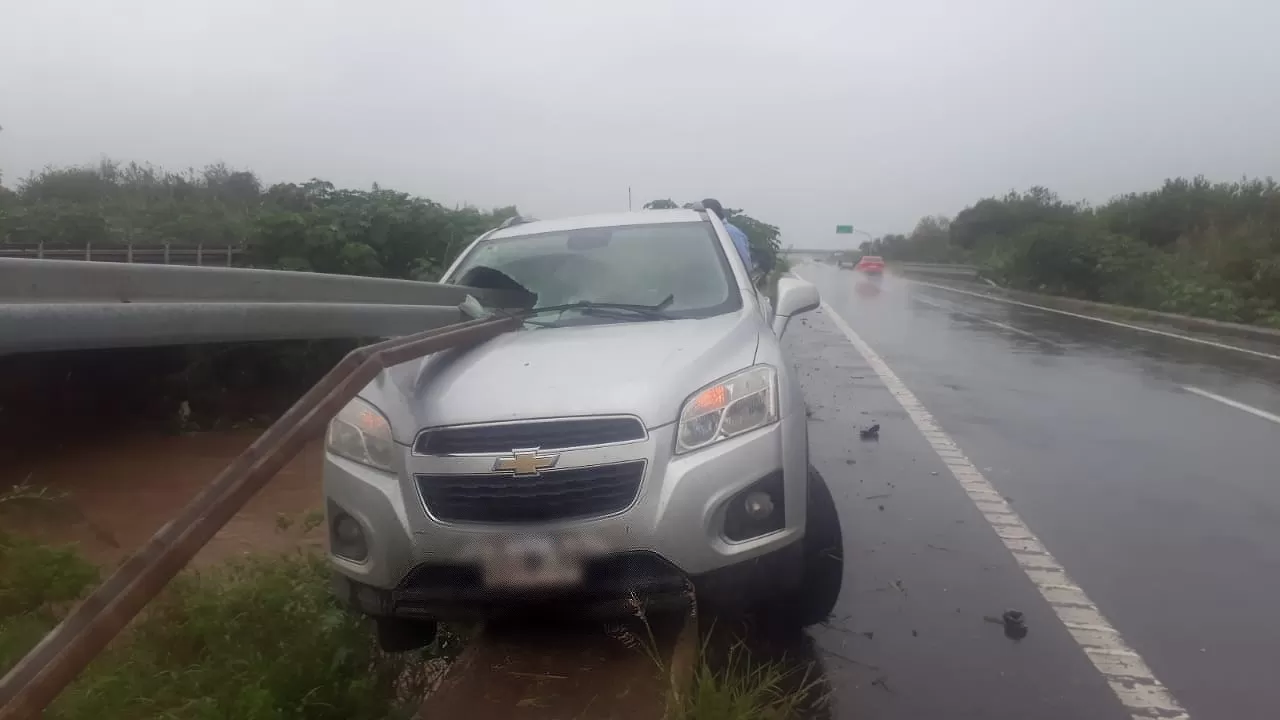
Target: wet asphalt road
{"points": [[1163, 505]]}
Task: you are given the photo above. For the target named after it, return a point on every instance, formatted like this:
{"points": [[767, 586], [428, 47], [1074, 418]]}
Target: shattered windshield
{"points": [[678, 266]]}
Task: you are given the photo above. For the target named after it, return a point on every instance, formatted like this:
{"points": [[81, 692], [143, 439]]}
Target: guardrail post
{"points": [[128, 252], [166, 253], [199, 254], [88, 251], [228, 256], [40, 250]]}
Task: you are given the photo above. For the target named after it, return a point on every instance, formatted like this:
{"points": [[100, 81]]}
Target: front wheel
{"points": [[822, 574]]}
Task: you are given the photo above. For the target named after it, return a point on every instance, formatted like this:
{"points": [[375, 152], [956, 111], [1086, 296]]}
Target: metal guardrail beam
{"points": [[41, 327], [68, 305], [969, 271], [24, 280]]}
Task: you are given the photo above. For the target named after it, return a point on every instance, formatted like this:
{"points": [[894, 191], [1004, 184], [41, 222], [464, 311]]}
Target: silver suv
{"points": [[644, 431]]}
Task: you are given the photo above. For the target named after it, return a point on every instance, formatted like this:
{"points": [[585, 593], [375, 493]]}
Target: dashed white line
{"points": [[1234, 403], [1125, 672], [1153, 331]]}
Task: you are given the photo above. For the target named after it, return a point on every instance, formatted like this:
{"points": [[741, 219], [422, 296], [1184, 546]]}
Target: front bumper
{"points": [[672, 532], [618, 584]]}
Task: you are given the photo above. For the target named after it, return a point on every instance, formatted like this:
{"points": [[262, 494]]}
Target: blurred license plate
{"points": [[530, 563]]}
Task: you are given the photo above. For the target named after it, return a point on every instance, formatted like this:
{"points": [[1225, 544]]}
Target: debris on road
{"points": [[877, 497], [1013, 621], [871, 433]]}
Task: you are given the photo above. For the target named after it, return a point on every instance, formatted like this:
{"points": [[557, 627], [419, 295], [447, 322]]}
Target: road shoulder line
{"points": [[1234, 403], [1116, 323], [1124, 671]]}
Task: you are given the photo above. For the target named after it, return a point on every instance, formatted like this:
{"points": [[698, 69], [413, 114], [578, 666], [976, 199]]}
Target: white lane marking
{"points": [[1234, 403], [1000, 325], [1116, 323], [1125, 672]]}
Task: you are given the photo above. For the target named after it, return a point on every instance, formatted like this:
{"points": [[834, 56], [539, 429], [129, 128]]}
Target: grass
{"points": [[741, 688], [255, 639], [260, 638], [728, 682]]}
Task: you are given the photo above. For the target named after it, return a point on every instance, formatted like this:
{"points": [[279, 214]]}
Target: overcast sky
{"points": [[807, 114]]}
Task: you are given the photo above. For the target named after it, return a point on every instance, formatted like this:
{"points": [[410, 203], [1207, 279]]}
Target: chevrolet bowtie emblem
{"points": [[525, 462]]}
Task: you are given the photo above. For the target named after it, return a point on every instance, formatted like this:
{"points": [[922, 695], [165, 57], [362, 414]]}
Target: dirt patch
{"points": [[114, 494]]}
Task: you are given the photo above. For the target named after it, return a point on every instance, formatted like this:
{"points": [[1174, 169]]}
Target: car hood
{"points": [[646, 369]]}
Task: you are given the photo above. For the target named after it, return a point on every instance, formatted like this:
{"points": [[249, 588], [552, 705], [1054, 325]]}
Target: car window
{"points": [[636, 264]]}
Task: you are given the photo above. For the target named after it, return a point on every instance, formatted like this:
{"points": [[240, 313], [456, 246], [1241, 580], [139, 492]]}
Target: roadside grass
{"points": [[257, 638], [729, 681], [260, 638], [739, 687]]}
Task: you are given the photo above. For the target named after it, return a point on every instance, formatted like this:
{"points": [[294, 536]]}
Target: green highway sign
{"points": [[844, 229]]}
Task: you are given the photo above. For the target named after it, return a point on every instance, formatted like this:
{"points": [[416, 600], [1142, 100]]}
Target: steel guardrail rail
{"points": [[26, 280], [937, 269], [68, 305]]}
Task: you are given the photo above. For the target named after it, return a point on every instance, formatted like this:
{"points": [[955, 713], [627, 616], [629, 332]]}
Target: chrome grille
{"points": [[553, 495], [544, 434]]}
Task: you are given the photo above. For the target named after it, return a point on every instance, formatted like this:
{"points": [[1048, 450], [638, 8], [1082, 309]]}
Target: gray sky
{"points": [[807, 113]]}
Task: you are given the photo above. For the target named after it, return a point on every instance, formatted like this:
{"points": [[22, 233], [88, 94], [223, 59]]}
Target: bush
{"points": [[256, 639], [1191, 247], [36, 582]]}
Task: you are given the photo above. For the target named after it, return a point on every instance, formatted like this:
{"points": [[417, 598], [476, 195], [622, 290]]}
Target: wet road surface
{"points": [[1161, 502]]}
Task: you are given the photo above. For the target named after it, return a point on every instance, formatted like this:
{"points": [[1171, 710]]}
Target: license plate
{"points": [[526, 563]]}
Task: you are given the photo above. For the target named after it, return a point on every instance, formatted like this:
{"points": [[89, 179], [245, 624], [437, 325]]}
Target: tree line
{"points": [[1194, 247], [294, 226]]}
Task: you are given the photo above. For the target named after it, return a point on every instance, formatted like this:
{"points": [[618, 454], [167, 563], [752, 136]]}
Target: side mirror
{"points": [[795, 296]]}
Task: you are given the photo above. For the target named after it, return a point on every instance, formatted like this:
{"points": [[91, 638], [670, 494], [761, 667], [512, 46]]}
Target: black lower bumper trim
{"points": [[612, 586]]}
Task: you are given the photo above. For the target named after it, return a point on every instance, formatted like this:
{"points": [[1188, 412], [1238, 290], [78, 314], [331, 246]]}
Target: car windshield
{"points": [[678, 267]]}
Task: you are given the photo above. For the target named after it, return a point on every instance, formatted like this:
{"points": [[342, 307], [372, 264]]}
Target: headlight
{"points": [[359, 432], [730, 406]]}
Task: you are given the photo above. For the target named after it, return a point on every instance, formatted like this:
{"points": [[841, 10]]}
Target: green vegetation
{"points": [[1192, 247], [211, 645], [294, 226], [307, 226], [740, 688]]}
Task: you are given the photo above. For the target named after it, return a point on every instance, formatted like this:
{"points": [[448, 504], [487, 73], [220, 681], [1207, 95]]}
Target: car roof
{"points": [[582, 222]]}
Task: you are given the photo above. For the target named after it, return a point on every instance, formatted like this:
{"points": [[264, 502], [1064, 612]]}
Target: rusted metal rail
{"points": [[55, 662]]}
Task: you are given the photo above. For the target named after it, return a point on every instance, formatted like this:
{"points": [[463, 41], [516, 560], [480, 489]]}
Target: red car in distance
{"points": [[870, 264]]}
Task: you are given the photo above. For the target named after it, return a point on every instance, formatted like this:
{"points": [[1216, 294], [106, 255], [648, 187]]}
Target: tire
{"points": [[397, 635], [822, 575]]}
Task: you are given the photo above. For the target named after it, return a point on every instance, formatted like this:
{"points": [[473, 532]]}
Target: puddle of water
{"points": [[116, 493]]}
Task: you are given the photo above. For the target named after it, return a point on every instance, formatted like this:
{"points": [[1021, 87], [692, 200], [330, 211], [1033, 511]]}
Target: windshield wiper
{"points": [[615, 310]]}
